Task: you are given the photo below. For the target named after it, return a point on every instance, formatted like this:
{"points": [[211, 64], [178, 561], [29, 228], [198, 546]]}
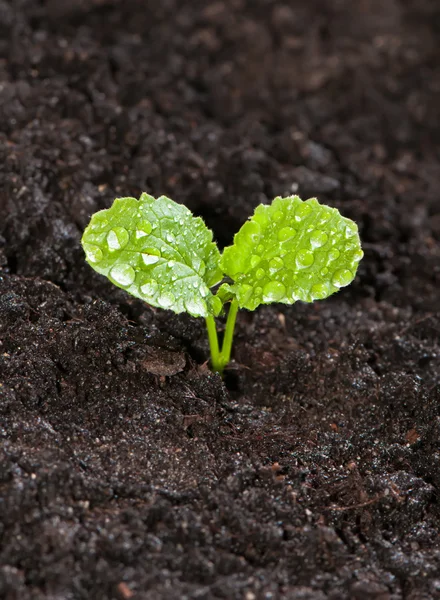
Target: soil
{"points": [[127, 469]]}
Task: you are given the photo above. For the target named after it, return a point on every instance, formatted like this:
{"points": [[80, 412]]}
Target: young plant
{"points": [[159, 252]]}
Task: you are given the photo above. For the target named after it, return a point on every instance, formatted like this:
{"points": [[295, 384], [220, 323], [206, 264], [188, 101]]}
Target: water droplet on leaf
{"points": [[117, 238], [150, 289], [273, 291], [251, 231], [324, 218], [304, 259], [319, 291], [357, 255], [342, 278], [196, 306], [292, 296], [98, 224], [259, 273], [123, 274], [203, 290], [166, 299], [93, 253], [202, 269], [145, 226], [286, 233], [302, 211], [255, 260], [333, 255], [318, 239], [350, 230], [276, 263], [150, 259]]}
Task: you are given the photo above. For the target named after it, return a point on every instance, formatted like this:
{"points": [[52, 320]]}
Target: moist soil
{"points": [[127, 469]]}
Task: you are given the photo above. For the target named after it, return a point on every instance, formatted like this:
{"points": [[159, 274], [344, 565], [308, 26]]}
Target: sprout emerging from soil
{"points": [[159, 252]]}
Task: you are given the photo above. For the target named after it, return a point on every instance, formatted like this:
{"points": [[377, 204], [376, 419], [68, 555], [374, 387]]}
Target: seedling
{"points": [[159, 252]]}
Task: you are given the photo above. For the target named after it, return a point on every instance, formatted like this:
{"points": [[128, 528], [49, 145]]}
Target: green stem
{"points": [[229, 333], [219, 359], [213, 344]]}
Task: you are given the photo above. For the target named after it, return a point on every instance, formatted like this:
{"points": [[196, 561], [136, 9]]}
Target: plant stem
{"points": [[219, 359], [229, 333], [213, 344]]}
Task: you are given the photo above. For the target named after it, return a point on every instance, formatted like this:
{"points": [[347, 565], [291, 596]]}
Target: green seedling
{"points": [[159, 252]]}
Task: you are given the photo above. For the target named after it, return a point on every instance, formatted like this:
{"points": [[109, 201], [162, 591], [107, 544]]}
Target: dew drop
{"points": [[286, 233], [98, 224], [276, 263], [318, 239], [324, 272], [302, 211], [170, 238], [166, 299], [145, 226], [319, 291], [324, 218], [350, 230], [304, 259], [203, 290], [123, 274], [117, 238], [140, 234], [150, 259], [293, 297], [196, 307], [255, 260], [258, 291], [259, 273], [333, 255], [357, 255], [245, 293], [342, 278], [273, 291], [278, 215], [93, 253], [260, 249], [150, 289], [251, 231], [202, 269]]}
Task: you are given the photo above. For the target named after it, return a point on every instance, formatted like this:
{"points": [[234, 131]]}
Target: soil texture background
{"points": [[127, 469]]}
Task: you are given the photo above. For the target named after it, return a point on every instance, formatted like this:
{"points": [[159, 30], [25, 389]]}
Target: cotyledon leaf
{"points": [[291, 250], [157, 251]]}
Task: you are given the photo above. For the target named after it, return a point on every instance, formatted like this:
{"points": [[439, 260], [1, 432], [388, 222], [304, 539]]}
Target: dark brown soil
{"points": [[127, 469]]}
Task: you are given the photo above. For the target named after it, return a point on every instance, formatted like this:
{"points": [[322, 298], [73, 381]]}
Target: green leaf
{"points": [[292, 250], [157, 251]]}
